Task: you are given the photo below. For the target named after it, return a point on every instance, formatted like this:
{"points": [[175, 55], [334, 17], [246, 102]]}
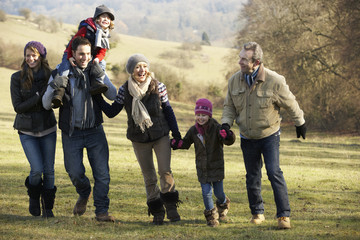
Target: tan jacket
{"points": [[256, 109]]}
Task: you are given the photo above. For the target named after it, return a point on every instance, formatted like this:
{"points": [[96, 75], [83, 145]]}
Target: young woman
{"points": [[36, 127], [150, 118]]}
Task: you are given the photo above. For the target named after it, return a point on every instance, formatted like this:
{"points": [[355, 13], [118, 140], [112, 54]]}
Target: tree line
{"points": [[315, 44]]}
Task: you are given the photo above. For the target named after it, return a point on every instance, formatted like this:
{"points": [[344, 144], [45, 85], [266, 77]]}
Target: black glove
{"points": [[59, 82], [301, 131], [96, 71], [226, 127]]}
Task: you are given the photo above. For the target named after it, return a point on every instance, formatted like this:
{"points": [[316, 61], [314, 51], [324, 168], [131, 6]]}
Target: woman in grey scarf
{"points": [[150, 118]]}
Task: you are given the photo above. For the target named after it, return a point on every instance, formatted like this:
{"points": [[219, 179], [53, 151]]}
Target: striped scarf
{"points": [[251, 78]]}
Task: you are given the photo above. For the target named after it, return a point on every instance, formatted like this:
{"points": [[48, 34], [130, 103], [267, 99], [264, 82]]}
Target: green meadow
{"points": [[322, 172]]}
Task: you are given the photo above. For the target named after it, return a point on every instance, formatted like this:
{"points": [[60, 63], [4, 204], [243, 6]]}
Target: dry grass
{"points": [[322, 174]]}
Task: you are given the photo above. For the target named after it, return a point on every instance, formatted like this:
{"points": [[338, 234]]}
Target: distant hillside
{"points": [[205, 67], [170, 20]]}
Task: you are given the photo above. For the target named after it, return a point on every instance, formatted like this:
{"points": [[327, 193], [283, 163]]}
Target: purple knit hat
{"points": [[38, 45], [203, 106]]}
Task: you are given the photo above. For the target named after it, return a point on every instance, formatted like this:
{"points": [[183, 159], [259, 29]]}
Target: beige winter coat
{"points": [[256, 109]]}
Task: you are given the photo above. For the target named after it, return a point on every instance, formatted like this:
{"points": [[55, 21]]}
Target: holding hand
{"points": [[226, 127], [301, 131], [223, 133], [228, 137], [72, 61], [176, 144]]}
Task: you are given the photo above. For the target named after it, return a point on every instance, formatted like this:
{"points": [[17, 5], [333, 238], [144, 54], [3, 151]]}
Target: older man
{"points": [[254, 98]]}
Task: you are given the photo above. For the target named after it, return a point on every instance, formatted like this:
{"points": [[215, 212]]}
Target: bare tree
{"points": [[315, 44], [26, 12], [2, 16]]}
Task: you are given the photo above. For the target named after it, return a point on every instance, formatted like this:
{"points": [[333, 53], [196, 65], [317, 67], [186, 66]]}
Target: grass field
{"points": [[322, 174]]}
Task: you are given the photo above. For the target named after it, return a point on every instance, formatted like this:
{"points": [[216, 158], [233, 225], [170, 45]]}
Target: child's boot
{"points": [[96, 74], [212, 217], [97, 87], [57, 98], [223, 209]]}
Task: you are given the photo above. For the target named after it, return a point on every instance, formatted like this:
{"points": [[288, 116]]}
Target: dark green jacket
{"points": [[209, 157]]}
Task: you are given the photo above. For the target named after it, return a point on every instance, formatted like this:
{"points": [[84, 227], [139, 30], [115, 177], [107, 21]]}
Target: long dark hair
{"points": [[27, 73]]}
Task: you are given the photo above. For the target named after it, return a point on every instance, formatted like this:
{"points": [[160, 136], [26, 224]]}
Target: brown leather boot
{"points": [[80, 206], [284, 223], [104, 217], [57, 98]]}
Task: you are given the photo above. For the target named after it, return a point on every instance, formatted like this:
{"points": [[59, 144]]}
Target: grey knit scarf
{"points": [[86, 104], [102, 37]]}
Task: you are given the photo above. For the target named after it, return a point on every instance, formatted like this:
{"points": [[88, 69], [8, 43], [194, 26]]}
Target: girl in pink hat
{"points": [[208, 139]]}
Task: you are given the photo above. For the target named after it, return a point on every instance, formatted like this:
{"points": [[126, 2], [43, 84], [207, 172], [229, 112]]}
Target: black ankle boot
{"points": [[34, 197]]}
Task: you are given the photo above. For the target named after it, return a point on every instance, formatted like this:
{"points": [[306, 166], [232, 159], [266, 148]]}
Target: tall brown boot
{"points": [[171, 202], [223, 209], [156, 208], [212, 217]]}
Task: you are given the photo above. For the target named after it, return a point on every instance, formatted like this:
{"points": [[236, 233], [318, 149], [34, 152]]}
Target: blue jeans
{"points": [[95, 143], [207, 188], [40, 152], [269, 148]]}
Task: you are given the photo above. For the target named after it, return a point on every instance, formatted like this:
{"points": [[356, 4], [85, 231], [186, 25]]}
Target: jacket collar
{"points": [[261, 74]]}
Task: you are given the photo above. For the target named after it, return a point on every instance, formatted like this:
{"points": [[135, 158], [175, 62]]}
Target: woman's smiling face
{"points": [[32, 58], [141, 71]]}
